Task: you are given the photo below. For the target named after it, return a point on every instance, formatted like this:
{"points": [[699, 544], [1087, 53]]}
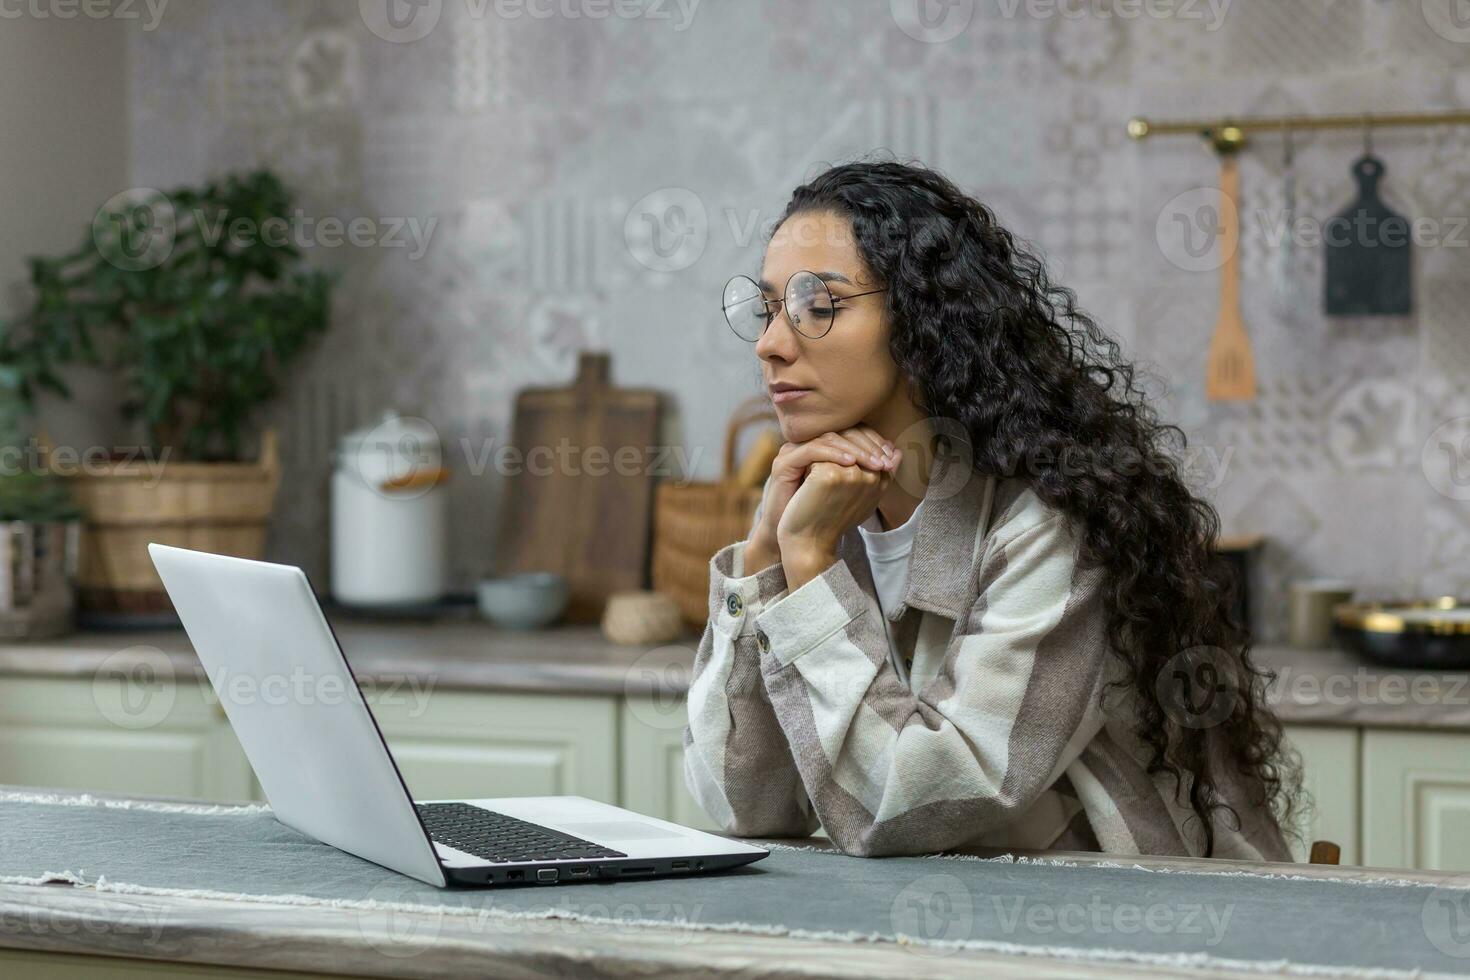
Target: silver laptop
{"points": [[327, 771]]}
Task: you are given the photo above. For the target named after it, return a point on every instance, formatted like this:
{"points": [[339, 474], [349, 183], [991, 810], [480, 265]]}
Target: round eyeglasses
{"points": [[810, 306]]}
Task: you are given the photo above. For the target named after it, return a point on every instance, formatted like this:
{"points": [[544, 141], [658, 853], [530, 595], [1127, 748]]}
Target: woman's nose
{"points": [[778, 340]]}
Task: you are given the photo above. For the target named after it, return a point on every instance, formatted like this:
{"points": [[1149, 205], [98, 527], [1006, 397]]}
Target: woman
{"points": [[977, 604]]}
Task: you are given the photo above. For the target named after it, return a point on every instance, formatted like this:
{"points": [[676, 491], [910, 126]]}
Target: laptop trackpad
{"points": [[618, 830]]}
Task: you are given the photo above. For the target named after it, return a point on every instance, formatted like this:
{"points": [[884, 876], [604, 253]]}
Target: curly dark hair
{"points": [[988, 341]]}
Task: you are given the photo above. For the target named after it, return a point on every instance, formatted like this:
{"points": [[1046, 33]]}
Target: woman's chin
{"points": [[797, 426]]}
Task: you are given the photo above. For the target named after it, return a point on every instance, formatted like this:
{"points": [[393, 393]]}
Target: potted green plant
{"points": [[196, 300], [38, 530]]}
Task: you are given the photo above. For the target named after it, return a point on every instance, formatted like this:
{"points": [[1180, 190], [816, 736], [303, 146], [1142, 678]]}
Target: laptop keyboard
{"points": [[499, 838]]}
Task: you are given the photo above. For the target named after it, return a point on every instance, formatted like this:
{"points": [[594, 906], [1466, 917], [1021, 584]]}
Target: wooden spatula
{"points": [[1231, 371]]}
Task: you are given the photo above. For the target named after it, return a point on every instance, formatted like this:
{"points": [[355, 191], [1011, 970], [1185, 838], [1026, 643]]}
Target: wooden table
{"points": [[62, 931]]}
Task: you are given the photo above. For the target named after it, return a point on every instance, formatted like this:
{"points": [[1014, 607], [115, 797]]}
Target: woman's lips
{"points": [[788, 395]]}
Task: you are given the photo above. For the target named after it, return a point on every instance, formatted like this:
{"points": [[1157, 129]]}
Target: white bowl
{"points": [[524, 601]]}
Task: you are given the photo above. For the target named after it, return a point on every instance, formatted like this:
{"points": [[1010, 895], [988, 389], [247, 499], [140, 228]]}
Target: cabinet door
{"points": [[653, 762], [1416, 800], [1330, 774], [465, 745], [132, 732]]}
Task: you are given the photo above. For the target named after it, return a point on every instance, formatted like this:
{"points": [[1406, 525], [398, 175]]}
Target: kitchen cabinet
{"points": [[1416, 800], [461, 744], [653, 762], [149, 735], [1330, 774], [1388, 797]]}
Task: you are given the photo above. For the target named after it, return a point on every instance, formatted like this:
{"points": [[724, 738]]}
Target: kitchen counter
{"points": [[105, 931], [1314, 687]]}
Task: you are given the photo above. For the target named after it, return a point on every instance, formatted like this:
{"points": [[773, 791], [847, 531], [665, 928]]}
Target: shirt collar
{"points": [[952, 525]]}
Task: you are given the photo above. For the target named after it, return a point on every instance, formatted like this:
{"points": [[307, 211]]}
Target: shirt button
{"points": [[733, 603], [762, 641]]}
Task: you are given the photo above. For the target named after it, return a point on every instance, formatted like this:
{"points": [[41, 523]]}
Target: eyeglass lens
{"points": [[808, 304]]}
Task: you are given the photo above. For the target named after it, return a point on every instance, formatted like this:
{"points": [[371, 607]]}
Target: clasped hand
{"points": [[819, 489]]}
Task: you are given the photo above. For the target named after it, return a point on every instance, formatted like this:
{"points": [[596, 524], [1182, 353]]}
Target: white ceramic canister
{"points": [[389, 528]]}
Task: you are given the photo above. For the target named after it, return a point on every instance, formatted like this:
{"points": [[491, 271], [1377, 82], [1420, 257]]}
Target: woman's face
{"points": [[845, 376]]}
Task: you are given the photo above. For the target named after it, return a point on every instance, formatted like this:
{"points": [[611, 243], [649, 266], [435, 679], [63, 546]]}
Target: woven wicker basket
{"points": [[222, 508], [694, 520]]}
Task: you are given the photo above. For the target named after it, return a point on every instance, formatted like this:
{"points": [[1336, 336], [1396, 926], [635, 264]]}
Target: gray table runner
{"points": [[932, 904]]}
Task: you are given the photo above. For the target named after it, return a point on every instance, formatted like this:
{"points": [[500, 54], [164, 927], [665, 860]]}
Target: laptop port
{"points": [[577, 872], [546, 874], [514, 875], [641, 870], [681, 865]]}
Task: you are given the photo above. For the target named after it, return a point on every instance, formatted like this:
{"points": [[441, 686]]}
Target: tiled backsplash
{"points": [[592, 181]]}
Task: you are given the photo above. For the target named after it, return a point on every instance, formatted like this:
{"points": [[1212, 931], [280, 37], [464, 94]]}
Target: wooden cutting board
{"points": [[573, 505]]}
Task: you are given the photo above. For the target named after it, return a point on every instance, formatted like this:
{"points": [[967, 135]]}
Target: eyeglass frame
{"points": [[771, 315]]}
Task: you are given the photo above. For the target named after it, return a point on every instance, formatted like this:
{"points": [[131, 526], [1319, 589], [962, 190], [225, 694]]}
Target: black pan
{"points": [[1430, 634]]}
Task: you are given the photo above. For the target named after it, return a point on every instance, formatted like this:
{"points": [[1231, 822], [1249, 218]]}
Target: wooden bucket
{"points": [[692, 521], [223, 508]]}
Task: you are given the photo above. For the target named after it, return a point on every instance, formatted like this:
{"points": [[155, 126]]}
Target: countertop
{"points": [[1318, 687], [124, 926]]}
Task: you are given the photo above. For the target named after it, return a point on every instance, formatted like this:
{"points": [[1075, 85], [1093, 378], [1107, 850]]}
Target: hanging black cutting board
{"points": [[1368, 254]]}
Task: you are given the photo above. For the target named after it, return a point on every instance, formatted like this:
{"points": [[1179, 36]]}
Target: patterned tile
{"points": [[594, 181]]}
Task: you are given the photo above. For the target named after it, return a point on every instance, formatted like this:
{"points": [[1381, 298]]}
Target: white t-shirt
{"points": [[888, 556]]}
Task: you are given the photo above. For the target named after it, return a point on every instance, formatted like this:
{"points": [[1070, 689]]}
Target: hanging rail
{"points": [[1229, 135]]}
